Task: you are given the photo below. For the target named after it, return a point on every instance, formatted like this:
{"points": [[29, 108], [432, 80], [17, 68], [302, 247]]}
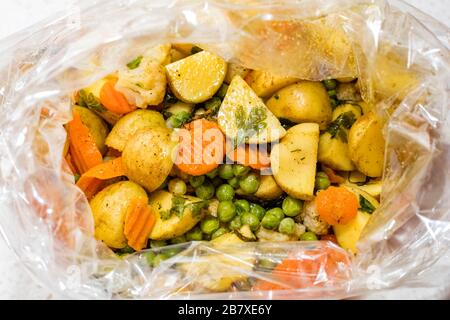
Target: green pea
{"points": [[177, 120], [322, 181], [226, 171], [222, 91], [257, 210], [278, 212], [226, 211], [219, 232], [177, 186], [196, 181], [330, 84], [159, 258], [205, 191], [291, 207], [213, 103], [242, 206], [331, 93], [250, 219], [270, 221], [157, 243], [308, 236], [209, 225], [178, 240], [287, 226], [225, 192], [239, 170], [150, 258], [234, 182], [194, 235], [235, 223], [250, 183], [212, 174]]}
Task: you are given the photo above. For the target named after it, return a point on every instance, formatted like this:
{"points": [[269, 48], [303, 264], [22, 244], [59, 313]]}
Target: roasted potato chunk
{"points": [[304, 101], [294, 159], [243, 115], [147, 157], [366, 145], [177, 224], [131, 123], [109, 208], [264, 84], [196, 78]]}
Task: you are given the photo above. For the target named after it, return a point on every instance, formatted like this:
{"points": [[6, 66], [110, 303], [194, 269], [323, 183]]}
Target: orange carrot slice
{"points": [[114, 100], [336, 205], [139, 222], [92, 180], [251, 156], [201, 147], [82, 147]]}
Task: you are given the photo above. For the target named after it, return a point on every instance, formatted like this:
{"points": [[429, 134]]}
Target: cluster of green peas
{"points": [[233, 213], [331, 85]]}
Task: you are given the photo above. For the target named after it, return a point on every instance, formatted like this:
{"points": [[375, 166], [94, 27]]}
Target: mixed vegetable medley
{"points": [[180, 145]]}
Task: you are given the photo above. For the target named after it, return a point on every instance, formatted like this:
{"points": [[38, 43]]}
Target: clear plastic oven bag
{"points": [[403, 69]]}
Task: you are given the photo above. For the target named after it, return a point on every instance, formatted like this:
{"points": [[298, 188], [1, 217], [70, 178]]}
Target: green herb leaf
{"points": [[338, 127], [365, 205], [88, 100], [178, 206], [134, 63], [249, 124]]}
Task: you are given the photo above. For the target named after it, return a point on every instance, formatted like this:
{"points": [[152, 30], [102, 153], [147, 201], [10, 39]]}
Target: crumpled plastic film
{"points": [[400, 57]]}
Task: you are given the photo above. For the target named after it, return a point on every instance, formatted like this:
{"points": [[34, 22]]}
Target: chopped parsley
{"points": [[249, 124], [338, 127], [134, 63], [365, 205], [88, 100], [179, 205]]}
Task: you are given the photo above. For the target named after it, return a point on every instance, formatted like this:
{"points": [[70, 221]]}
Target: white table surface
{"points": [[16, 283]]}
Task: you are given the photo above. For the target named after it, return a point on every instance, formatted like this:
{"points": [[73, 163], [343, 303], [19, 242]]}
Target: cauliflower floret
{"points": [[311, 219], [146, 84]]}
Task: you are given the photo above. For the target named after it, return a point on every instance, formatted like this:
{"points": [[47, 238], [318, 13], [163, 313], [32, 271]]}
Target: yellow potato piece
{"points": [[238, 105], [294, 159], [148, 157], [175, 226], [366, 145], [268, 188], [347, 107], [333, 152], [348, 235], [196, 78], [131, 123], [264, 84], [304, 101], [109, 208]]}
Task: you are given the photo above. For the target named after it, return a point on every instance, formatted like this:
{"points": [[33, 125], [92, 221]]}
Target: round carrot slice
{"points": [[336, 205], [201, 147]]}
